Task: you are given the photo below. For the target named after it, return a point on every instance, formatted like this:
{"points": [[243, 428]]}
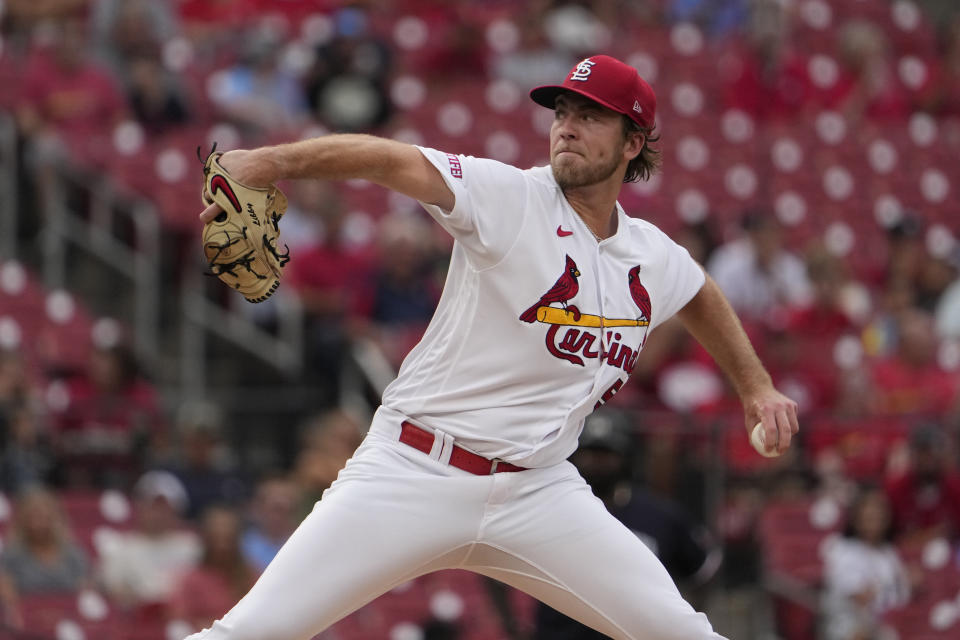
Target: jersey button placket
{"points": [[601, 298]]}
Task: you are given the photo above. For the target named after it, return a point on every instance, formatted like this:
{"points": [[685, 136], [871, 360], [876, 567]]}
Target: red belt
{"points": [[422, 440]]}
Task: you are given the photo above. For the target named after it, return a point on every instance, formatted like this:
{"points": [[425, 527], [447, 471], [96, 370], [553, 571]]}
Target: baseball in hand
{"points": [[757, 440]]}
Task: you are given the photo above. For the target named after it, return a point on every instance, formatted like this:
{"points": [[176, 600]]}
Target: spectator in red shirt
{"points": [[868, 85], [110, 417], [332, 281], [763, 74], [801, 348], [911, 381], [66, 103], [827, 316], [66, 92], [925, 499], [209, 590]]}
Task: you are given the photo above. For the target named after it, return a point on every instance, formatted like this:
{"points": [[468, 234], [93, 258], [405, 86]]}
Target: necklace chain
{"points": [[589, 228]]}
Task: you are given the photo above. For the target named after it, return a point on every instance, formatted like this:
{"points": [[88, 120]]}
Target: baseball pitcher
{"points": [[551, 294]]}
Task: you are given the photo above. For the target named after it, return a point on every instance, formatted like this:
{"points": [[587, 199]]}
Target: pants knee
{"points": [[687, 626], [237, 628]]}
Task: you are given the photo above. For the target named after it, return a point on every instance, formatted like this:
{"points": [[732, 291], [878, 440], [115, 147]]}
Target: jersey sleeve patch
{"points": [[455, 169]]}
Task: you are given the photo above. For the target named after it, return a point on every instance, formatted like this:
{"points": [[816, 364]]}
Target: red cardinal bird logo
{"points": [[562, 290], [639, 293]]}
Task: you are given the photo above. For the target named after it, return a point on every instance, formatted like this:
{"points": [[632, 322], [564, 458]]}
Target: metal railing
{"points": [[282, 349], [137, 261]]}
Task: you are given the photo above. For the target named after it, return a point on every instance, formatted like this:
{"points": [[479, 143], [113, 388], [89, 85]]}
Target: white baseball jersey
{"points": [[538, 322]]}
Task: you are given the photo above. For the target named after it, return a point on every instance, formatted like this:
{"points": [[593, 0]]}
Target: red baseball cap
{"points": [[608, 81]]}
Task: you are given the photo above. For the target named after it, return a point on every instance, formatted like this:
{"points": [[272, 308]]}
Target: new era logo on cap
{"points": [[609, 82]]}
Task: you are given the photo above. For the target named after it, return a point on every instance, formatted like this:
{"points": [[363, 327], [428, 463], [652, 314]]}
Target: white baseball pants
{"points": [[395, 513]]}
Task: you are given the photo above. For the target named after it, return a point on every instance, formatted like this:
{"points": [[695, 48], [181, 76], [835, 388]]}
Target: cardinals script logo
{"points": [[606, 339]]}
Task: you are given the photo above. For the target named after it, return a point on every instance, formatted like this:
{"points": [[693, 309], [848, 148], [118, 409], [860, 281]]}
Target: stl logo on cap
{"points": [[582, 71]]}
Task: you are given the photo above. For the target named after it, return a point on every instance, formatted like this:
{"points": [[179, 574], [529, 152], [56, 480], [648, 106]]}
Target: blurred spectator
{"points": [[332, 281], [757, 273], [206, 467], [925, 497], [347, 86], [948, 312], [947, 100], [206, 592], [140, 568], [155, 97], [718, 18], [25, 457], [868, 85], [64, 91], [256, 93], [273, 519], [881, 335], [312, 205], [838, 303], [457, 47], [863, 574], [896, 283], [20, 19], [327, 442], [911, 380], [762, 73], [14, 386], [65, 104], [110, 417], [685, 547], [934, 278], [698, 238], [404, 293], [803, 365], [39, 556], [575, 28], [905, 250], [737, 602], [123, 30], [534, 61]]}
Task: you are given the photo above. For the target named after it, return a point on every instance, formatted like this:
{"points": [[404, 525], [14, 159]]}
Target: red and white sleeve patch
{"points": [[455, 169]]}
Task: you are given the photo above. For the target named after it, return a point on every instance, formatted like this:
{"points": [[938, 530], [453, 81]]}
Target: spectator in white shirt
{"points": [[757, 274], [141, 567], [863, 574]]}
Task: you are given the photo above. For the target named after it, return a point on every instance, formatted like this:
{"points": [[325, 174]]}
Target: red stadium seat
{"points": [[64, 615]]}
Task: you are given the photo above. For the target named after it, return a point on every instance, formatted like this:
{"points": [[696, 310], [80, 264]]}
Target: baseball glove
{"points": [[241, 243]]}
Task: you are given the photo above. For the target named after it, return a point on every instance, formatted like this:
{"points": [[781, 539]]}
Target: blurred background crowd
{"points": [[160, 438]]}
